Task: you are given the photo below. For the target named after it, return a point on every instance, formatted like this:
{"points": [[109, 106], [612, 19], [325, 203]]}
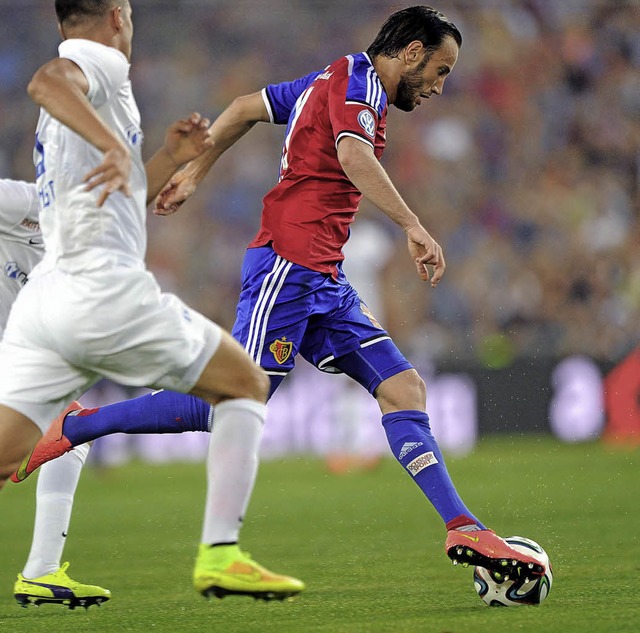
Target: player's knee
{"points": [[254, 385], [262, 385], [402, 392], [420, 388], [414, 388]]}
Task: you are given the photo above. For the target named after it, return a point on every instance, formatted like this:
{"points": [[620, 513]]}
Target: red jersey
{"points": [[306, 216]]}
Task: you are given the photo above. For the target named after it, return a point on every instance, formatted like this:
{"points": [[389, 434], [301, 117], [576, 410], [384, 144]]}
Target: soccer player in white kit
{"points": [[21, 249], [21, 245], [91, 309]]}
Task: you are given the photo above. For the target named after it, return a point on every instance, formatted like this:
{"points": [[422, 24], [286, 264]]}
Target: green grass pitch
{"points": [[369, 547]]}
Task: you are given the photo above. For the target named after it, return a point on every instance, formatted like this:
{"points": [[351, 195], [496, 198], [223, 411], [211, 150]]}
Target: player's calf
{"points": [[18, 435]]}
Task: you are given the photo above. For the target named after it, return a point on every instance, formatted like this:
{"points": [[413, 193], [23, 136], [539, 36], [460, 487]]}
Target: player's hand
{"points": [[114, 173], [186, 139], [426, 252], [174, 193]]}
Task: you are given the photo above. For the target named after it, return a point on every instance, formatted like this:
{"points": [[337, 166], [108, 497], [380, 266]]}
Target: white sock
{"points": [[56, 487], [232, 466]]}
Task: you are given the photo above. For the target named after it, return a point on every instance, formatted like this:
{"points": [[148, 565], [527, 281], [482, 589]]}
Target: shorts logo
{"points": [[367, 122], [422, 462], [365, 310], [281, 349]]}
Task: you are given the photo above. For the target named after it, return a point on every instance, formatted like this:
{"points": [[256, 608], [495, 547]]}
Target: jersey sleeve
{"points": [[105, 68], [356, 103], [18, 202], [280, 99]]}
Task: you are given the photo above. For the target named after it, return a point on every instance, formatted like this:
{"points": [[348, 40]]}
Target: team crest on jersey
{"points": [[369, 315], [134, 135], [367, 122], [281, 349], [13, 271]]}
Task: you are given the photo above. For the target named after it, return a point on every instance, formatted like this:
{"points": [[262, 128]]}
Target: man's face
{"points": [[427, 77]]}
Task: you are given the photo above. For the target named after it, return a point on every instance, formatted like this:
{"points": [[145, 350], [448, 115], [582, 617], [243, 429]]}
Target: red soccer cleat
{"points": [[485, 548], [52, 444]]}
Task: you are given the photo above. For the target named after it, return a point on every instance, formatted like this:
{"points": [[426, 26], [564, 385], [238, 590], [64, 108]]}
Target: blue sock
{"points": [[157, 412], [414, 446]]}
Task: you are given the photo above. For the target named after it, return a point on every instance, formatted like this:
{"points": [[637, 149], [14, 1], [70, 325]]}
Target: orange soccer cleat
{"points": [[484, 548]]}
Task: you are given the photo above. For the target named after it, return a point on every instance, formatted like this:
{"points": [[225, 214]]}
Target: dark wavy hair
{"points": [[74, 11], [421, 23]]}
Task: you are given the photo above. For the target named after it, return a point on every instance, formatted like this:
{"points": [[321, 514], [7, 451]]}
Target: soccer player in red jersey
{"points": [[295, 299]]}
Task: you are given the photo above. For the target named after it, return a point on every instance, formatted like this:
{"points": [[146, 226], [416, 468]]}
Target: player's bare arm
{"points": [[184, 140], [61, 88], [243, 113], [369, 176]]}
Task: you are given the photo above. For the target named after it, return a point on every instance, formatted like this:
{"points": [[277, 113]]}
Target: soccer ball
{"points": [[497, 592]]}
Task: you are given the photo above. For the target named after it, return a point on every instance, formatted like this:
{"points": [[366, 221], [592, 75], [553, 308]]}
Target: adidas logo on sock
{"points": [[407, 447]]}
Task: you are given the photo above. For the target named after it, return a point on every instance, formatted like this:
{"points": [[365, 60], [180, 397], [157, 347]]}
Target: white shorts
{"points": [[65, 332]]}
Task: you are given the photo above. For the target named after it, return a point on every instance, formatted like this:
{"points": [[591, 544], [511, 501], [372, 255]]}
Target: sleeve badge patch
{"points": [[367, 122]]}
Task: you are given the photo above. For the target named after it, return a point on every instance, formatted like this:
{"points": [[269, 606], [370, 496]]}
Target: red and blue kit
{"points": [[306, 216], [295, 297]]}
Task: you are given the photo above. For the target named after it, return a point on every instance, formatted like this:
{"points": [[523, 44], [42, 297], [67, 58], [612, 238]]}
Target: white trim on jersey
{"points": [[350, 66], [374, 85], [297, 108], [269, 290], [358, 103], [265, 98], [353, 135], [374, 88]]}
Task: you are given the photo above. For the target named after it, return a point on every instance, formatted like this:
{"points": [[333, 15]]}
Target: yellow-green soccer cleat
{"points": [[58, 588], [225, 570]]}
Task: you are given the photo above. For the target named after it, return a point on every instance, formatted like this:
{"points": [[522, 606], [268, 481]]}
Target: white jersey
{"points": [[21, 246], [90, 309], [78, 235]]}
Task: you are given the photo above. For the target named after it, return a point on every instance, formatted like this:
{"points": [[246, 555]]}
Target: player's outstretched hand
{"points": [[426, 252], [186, 139], [114, 173], [174, 193]]}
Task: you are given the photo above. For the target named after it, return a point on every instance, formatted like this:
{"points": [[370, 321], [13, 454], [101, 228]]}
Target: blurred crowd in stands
{"points": [[526, 170]]}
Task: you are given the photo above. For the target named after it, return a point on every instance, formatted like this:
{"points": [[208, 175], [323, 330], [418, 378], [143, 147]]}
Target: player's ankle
{"points": [[463, 522]]}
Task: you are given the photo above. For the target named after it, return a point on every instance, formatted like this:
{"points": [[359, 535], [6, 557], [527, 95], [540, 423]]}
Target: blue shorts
{"points": [[286, 309]]}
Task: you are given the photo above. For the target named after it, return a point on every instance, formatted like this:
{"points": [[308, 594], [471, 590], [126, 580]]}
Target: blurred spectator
{"points": [[527, 171]]}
